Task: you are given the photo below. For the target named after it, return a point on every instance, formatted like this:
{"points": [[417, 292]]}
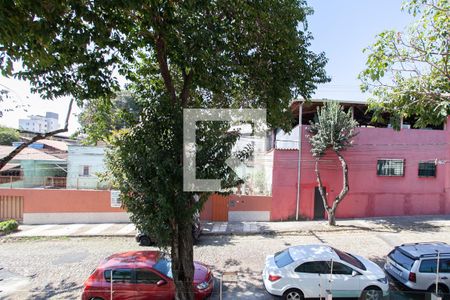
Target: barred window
{"points": [[390, 167], [427, 169]]}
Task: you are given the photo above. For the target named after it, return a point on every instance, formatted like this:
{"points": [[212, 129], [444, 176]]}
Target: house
{"points": [[40, 124], [404, 172], [84, 163], [32, 168]]}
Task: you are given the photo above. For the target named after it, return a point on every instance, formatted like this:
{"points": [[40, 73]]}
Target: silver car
{"points": [[415, 266]]}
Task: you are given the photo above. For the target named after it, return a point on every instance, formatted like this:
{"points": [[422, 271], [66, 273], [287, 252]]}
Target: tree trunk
{"points": [[331, 217], [321, 191], [331, 211], [182, 261]]}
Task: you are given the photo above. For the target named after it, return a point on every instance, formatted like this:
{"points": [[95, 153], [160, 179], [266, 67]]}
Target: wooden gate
{"points": [[219, 208], [11, 207]]}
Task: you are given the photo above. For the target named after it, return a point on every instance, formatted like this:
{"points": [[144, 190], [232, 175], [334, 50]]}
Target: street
{"points": [[55, 268]]}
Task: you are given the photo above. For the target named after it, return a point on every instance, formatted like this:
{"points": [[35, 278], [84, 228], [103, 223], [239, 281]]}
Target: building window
{"points": [[85, 171], [390, 167], [427, 169]]}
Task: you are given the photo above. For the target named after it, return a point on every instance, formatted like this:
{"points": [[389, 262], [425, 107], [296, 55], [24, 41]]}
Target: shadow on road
{"points": [[54, 290]]}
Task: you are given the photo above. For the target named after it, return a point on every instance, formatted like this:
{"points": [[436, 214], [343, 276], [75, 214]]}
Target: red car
{"points": [[141, 275]]}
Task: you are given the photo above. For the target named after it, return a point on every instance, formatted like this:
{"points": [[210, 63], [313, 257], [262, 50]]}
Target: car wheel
{"points": [[441, 289], [145, 241], [372, 293], [293, 294]]}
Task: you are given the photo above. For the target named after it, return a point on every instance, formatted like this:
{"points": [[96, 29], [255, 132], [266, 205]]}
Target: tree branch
{"points": [[319, 182], [40, 136], [184, 95], [164, 67], [345, 187]]}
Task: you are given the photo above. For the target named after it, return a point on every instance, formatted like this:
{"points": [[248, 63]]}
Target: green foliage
{"points": [[100, 118], [333, 129], [8, 136], [8, 226], [253, 52], [174, 55], [146, 164], [407, 72]]}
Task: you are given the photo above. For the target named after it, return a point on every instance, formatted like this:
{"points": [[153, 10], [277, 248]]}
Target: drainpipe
{"points": [[300, 113]]}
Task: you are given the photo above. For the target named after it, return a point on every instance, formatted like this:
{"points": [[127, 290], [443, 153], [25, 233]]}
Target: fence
{"points": [[53, 182], [10, 179]]}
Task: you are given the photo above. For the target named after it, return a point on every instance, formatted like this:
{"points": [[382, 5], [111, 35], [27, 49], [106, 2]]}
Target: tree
{"points": [[408, 72], [333, 130], [8, 136], [175, 55], [100, 118]]}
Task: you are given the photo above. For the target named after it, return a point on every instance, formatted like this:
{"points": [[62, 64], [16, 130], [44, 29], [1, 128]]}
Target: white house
{"points": [[84, 163]]}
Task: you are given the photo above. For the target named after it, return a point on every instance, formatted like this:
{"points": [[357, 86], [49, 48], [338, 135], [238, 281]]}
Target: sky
{"points": [[341, 29]]}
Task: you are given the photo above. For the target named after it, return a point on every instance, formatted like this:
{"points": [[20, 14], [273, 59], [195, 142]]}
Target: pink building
{"points": [[404, 172]]}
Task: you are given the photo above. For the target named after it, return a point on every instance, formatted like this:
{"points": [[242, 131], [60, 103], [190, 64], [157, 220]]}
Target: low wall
{"points": [[42, 206], [237, 208]]}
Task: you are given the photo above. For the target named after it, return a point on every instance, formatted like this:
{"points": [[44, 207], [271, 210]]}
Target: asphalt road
{"points": [[55, 268]]}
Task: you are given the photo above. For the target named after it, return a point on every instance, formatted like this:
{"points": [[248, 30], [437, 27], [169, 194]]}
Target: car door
{"points": [[122, 286], [427, 272], [309, 277], [343, 284], [444, 270], [151, 285]]}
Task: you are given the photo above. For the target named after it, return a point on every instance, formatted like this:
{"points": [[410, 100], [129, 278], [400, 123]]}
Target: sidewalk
{"points": [[386, 224]]}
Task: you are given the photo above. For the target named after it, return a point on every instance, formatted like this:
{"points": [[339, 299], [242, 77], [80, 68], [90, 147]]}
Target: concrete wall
{"points": [[67, 206], [79, 156], [370, 194]]}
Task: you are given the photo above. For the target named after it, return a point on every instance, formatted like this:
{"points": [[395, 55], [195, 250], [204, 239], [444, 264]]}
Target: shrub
{"points": [[8, 226]]}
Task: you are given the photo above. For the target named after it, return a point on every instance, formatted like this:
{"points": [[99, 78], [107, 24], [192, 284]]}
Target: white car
{"points": [[310, 271]]}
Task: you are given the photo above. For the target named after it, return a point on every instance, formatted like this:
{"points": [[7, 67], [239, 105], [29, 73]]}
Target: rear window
{"points": [[401, 259], [283, 258], [350, 259]]}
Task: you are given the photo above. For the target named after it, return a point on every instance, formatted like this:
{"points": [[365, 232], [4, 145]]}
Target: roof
{"points": [[29, 154], [10, 166], [312, 252], [417, 250], [55, 144], [329, 100], [147, 258]]}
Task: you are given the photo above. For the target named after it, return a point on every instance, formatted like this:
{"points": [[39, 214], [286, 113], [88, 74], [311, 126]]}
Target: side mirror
{"points": [[354, 273], [161, 282]]}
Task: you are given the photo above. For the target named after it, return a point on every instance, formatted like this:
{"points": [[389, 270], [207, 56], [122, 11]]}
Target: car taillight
{"points": [[274, 277], [412, 277]]}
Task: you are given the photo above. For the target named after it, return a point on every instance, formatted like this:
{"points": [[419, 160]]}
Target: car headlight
{"points": [[203, 285], [383, 280]]}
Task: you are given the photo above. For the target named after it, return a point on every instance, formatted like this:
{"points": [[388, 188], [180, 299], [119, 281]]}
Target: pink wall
{"points": [[370, 195], [56, 201]]}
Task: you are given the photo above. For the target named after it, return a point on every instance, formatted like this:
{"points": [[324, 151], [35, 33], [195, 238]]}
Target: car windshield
{"points": [[350, 259], [283, 258], [164, 266], [401, 259]]}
